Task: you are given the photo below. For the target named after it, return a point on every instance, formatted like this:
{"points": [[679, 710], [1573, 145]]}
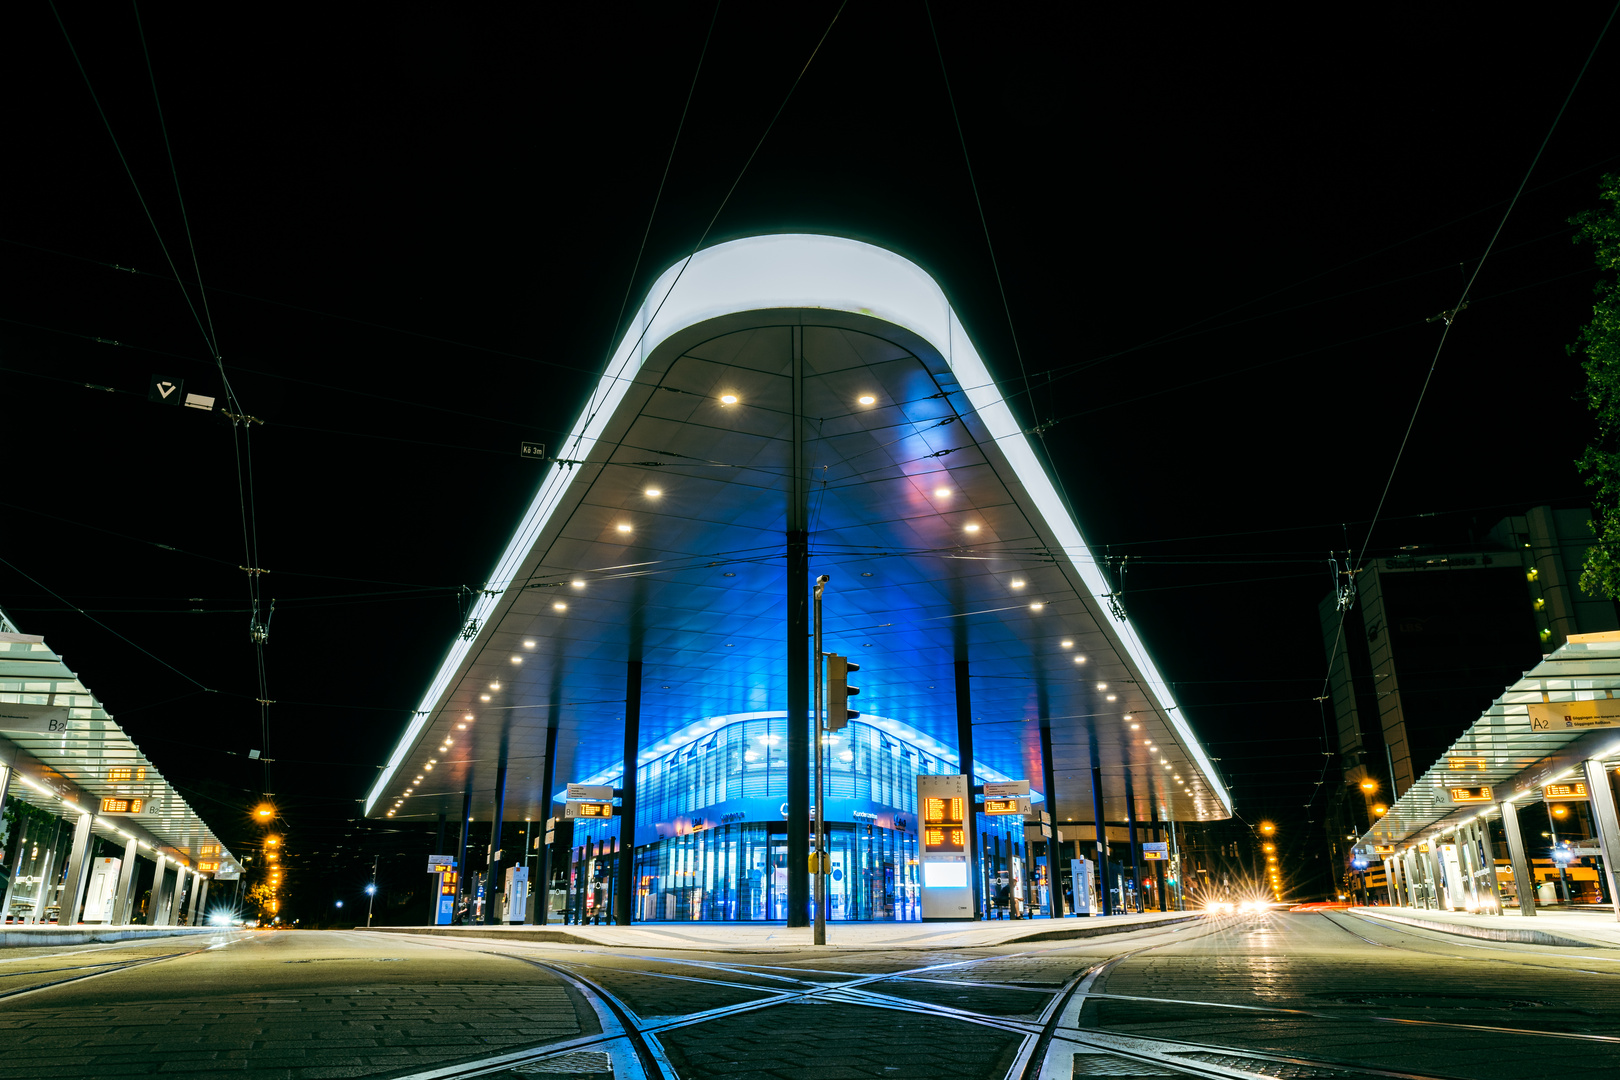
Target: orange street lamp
{"points": [[1267, 828], [1380, 810]]}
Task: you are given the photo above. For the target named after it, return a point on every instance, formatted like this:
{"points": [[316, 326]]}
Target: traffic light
{"points": [[839, 691]]}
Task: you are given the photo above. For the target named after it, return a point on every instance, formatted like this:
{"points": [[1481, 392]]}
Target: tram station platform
{"points": [[33, 937], [1574, 929], [757, 936]]}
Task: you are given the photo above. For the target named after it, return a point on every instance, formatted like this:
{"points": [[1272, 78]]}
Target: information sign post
{"points": [[943, 803]]}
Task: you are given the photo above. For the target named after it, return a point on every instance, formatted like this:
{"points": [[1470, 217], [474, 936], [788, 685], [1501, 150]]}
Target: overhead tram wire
{"points": [[204, 325], [1428, 378], [726, 199]]}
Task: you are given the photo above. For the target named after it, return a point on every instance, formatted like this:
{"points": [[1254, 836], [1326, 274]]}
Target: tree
{"points": [[1599, 340]]}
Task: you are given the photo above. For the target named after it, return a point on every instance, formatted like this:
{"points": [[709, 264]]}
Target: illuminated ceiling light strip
{"points": [[797, 271]]}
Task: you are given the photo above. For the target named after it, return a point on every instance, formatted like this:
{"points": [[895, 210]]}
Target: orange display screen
{"points": [[594, 809], [447, 883], [941, 811], [114, 805], [943, 838], [1001, 806]]}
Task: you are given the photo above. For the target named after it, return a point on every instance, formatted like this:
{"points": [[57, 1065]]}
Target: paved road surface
{"points": [[1283, 996]]}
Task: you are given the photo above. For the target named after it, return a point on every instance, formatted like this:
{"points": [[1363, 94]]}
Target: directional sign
{"points": [[1574, 715], [166, 391], [1006, 789], [589, 793], [1162, 847], [589, 810], [438, 864], [42, 719], [534, 451]]}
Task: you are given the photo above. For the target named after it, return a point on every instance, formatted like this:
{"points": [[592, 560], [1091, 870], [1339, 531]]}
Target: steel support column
{"points": [[797, 603], [195, 903], [1130, 826], [77, 876], [624, 893], [154, 898], [964, 748], [124, 899], [548, 777], [492, 876], [1608, 825], [1053, 878], [1102, 833], [463, 879]]}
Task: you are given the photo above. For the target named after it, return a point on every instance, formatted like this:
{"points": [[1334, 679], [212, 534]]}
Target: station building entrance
{"points": [[712, 835]]}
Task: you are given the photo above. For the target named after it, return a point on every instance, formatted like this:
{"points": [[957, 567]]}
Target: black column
{"points": [[1102, 833], [1158, 867], [798, 660], [492, 875], [964, 747], [1054, 879], [438, 843], [548, 777], [463, 881], [624, 891], [1130, 824]]}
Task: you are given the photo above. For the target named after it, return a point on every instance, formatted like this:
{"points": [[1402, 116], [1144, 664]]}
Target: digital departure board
{"points": [[1003, 806], [114, 804], [590, 809], [1571, 790], [1470, 794]]}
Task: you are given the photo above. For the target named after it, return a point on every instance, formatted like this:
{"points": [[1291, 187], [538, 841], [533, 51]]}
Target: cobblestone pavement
{"points": [[1284, 996]]}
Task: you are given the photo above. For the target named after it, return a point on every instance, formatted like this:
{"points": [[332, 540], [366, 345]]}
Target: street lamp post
{"points": [[371, 890], [819, 857]]}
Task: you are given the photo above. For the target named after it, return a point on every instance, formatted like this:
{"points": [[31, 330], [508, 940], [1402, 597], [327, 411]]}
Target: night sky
{"points": [[1222, 235]]}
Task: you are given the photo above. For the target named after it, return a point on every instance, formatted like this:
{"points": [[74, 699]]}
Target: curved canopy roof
{"points": [[658, 534]]}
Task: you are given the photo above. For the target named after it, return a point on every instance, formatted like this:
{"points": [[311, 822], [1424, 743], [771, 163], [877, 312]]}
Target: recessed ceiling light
{"points": [[942, 493], [559, 606], [1079, 659], [483, 697], [1066, 643], [1102, 686], [866, 644], [1135, 727], [1017, 583], [528, 644], [577, 583], [1036, 606], [496, 685], [653, 493], [730, 574], [1128, 716], [517, 659], [461, 727], [428, 766], [866, 573], [1113, 697], [729, 645], [624, 528], [728, 399], [971, 528], [866, 399]]}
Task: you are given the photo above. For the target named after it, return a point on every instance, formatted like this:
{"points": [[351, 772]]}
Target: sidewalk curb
{"points": [[89, 935], [1079, 929], [1512, 934]]}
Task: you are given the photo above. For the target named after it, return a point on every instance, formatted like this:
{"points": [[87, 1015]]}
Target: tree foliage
{"points": [[1599, 341]]}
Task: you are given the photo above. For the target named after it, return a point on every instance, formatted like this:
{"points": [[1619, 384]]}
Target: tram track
{"points": [[1049, 1038], [1466, 945]]}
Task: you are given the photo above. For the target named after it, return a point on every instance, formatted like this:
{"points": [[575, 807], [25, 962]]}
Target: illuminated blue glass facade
{"points": [[711, 827]]}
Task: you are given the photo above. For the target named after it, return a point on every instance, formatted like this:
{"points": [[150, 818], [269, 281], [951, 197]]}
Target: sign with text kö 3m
{"points": [[1577, 715]]}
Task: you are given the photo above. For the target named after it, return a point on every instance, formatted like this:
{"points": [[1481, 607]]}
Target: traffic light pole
{"points": [[818, 855]]}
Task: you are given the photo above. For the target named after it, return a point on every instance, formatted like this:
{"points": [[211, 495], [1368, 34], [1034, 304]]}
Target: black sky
{"points": [[1221, 233]]}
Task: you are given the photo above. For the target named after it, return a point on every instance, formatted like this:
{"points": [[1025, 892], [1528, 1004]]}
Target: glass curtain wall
{"points": [[719, 805]]}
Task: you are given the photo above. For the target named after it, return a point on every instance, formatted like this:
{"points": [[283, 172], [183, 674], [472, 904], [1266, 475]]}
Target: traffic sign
{"points": [[1163, 847], [166, 391], [589, 793], [533, 451], [1006, 789]]}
